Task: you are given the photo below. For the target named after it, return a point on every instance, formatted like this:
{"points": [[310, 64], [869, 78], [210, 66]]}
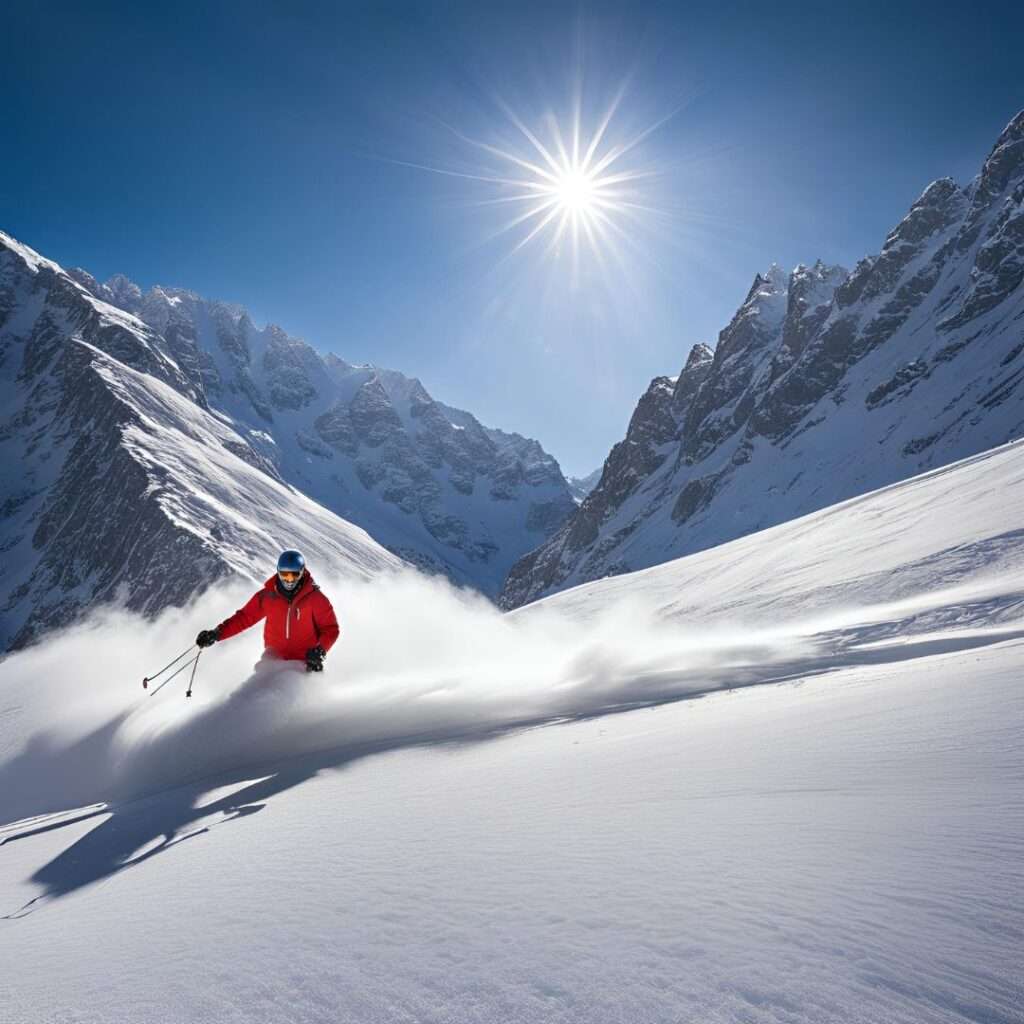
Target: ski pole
{"points": [[148, 679], [195, 665], [176, 672]]}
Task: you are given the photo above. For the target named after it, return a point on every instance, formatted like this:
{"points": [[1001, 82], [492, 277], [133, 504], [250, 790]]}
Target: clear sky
{"points": [[322, 165]]}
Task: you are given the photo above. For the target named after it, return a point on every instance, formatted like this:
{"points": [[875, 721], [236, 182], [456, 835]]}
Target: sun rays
{"points": [[568, 189]]}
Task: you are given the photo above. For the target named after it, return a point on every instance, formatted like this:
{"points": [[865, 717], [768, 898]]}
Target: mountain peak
{"points": [[810, 287], [699, 355], [941, 204], [86, 280], [937, 192], [773, 280], [1013, 132], [28, 256], [1005, 164], [125, 292]]}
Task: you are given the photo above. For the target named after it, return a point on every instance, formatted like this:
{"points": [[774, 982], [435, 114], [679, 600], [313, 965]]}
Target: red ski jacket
{"points": [[291, 627]]}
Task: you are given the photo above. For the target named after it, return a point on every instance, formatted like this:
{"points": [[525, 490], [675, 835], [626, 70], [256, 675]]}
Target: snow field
{"points": [[453, 825], [846, 848]]}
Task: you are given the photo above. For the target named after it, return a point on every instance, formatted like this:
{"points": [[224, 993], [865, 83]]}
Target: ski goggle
{"points": [[287, 576]]}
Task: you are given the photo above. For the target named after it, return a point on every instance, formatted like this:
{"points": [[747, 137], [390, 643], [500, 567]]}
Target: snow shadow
{"points": [[419, 663], [134, 832]]}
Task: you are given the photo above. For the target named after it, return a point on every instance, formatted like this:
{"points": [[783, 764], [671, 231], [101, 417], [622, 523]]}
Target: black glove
{"points": [[315, 659], [208, 637]]}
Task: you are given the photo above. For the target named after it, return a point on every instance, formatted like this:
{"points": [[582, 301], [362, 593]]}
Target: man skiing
{"points": [[300, 622]]}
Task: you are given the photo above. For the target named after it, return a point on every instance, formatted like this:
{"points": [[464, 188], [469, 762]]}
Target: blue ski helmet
{"points": [[290, 562]]}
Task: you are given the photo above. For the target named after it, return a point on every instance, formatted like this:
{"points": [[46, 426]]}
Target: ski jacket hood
{"points": [[293, 622]]}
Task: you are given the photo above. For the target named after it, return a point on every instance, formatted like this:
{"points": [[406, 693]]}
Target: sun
{"points": [[569, 187], [576, 192]]}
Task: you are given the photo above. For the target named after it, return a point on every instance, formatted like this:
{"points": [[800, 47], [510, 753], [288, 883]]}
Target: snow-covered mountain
{"points": [[581, 486], [825, 384], [844, 844], [151, 443], [429, 482], [119, 482]]}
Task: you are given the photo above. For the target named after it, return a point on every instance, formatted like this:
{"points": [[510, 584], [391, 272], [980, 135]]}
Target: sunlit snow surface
{"points": [[454, 824]]}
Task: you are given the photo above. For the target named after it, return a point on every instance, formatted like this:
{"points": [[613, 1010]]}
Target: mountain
{"points": [[120, 482], [815, 812], [427, 481], [581, 486], [154, 442], [825, 384]]}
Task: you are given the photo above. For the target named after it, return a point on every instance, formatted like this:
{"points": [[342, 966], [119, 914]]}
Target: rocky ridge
{"points": [[825, 384]]}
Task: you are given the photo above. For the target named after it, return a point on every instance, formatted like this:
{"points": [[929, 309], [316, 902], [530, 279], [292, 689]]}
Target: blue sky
{"points": [[274, 155]]}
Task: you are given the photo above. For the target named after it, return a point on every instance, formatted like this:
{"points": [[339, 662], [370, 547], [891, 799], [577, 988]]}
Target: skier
{"points": [[300, 622]]}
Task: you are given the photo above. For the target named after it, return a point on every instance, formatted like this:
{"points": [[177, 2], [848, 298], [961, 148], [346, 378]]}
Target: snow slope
{"points": [[392, 843]]}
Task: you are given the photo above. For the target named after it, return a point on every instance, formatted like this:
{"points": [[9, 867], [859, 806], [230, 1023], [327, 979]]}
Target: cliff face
{"points": [[825, 384]]}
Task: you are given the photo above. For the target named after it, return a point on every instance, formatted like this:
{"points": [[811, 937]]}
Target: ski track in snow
{"points": [[418, 662]]}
